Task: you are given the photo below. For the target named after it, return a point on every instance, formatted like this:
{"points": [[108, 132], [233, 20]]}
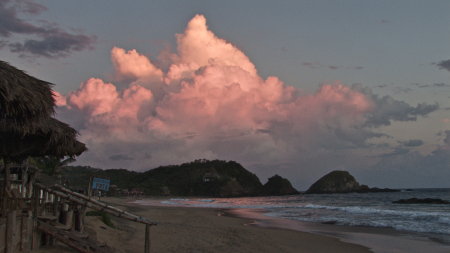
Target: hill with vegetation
{"points": [[198, 178], [278, 185], [340, 181]]}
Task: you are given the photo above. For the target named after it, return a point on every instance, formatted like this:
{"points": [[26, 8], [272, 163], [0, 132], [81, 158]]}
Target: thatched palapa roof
{"points": [[24, 100], [26, 124]]}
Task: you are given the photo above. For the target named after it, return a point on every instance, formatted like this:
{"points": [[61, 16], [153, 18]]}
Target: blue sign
{"points": [[100, 184]]}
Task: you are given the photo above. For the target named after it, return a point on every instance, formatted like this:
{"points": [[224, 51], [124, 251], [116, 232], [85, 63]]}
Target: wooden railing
{"points": [[58, 194], [33, 214]]}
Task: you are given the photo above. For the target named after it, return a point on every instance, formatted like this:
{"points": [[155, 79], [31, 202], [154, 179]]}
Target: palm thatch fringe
{"points": [[53, 138]]}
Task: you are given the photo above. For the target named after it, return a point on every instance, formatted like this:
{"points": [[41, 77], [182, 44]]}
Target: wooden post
{"points": [[89, 190], [69, 218], [31, 179], [6, 186], [63, 213], [22, 231], [56, 210], [35, 239], [28, 233], [11, 232], [43, 202], [147, 239], [79, 218]]}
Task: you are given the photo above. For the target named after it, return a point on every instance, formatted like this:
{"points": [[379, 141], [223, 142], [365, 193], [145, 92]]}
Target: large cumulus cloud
{"points": [[211, 103]]}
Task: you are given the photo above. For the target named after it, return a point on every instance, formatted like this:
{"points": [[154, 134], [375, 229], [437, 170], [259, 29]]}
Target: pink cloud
{"points": [[210, 103], [198, 47], [95, 97], [60, 100], [132, 65]]}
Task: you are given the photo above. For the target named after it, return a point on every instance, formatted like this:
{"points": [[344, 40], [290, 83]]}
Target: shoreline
{"points": [[377, 239], [217, 230], [187, 229]]}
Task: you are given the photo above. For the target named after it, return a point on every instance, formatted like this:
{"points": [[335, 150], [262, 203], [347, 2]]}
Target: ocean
{"points": [[351, 209]]}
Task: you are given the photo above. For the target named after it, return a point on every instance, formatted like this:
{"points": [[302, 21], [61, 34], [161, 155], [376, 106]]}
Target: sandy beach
{"points": [[203, 230], [190, 229]]}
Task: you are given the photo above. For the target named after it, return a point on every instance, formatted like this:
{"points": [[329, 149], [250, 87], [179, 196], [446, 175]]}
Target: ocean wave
{"points": [[368, 210], [206, 200], [348, 210], [401, 225]]}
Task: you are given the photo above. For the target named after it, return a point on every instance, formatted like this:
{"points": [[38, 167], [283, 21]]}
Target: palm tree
{"points": [[52, 165]]}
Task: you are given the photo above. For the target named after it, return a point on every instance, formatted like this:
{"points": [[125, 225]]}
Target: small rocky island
{"points": [[340, 181], [277, 186], [421, 201]]}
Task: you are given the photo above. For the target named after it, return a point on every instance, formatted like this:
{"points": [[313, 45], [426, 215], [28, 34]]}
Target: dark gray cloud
{"points": [[57, 44], [395, 88], [444, 65], [412, 143], [396, 152], [313, 65], [436, 85], [333, 67], [316, 65], [400, 90], [45, 39], [119, 157], [10, 22], [389, 109], [441, 85]]}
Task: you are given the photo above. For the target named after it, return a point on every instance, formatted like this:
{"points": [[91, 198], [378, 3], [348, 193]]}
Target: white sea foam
{"points": [[206, 200]]}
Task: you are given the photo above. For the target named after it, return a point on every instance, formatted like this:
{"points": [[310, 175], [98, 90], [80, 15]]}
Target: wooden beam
{"points": [[147, 239], [11, 231], [68, 238], [121, 213], [94, 204]]}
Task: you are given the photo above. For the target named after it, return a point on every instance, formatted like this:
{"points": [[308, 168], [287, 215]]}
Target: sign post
{"points": [[100, 184]]}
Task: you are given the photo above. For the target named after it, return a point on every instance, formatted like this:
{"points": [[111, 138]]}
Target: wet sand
{"points": [[378, 240]]}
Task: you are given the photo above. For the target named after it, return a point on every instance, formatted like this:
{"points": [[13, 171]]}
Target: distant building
{"points": [[211, 176]]}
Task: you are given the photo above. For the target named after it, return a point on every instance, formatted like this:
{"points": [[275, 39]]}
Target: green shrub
{"points": [[106, 219]]}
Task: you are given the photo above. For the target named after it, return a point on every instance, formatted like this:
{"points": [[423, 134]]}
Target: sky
{"points": [[295, 88]]}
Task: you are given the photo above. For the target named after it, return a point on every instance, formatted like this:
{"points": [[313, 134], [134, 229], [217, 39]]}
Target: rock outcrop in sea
{"points": [[340, 181], [277, 186], [421, 201]]}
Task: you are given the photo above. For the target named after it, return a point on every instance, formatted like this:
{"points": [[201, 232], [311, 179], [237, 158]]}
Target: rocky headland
{"points": [[340, 181], [202, 178]]}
